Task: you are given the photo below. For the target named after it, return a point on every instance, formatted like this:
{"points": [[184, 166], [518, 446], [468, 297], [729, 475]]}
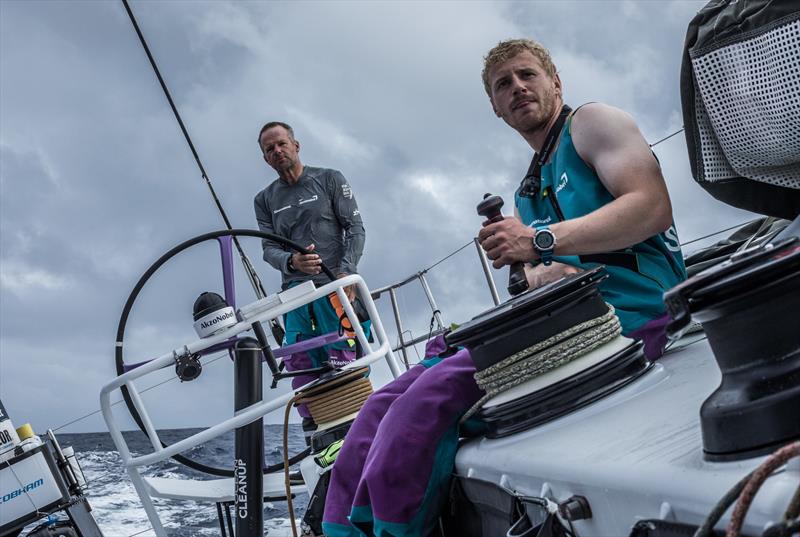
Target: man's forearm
{"points": [[277, 257], [273, 254], [633, 217], [354, 239], [628, 220]]}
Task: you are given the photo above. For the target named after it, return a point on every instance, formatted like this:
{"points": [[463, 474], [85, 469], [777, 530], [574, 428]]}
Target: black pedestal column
{"points": [[249, 442]]}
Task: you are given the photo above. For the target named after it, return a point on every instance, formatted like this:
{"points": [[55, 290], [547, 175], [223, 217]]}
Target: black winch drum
{"points": [[531, 318], [748, 307]]}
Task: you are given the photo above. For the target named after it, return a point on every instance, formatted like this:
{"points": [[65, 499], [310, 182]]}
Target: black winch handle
{"points": [[490, 209]]}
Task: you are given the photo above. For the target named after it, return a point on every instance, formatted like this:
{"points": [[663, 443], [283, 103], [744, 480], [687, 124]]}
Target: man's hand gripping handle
{"points": [[490, 209]]}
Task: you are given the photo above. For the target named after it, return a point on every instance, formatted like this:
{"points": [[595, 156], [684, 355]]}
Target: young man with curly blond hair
{"points": [[595, 190]]}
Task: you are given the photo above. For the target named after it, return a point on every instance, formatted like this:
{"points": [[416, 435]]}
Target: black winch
{"points": [[748, 307], [533, 318]]}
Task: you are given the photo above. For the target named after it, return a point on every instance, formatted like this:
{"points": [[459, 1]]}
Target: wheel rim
{"points": [[226, 254]]}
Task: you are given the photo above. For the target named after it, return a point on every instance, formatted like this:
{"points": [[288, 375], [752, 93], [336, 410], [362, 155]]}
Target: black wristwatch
{"points": [[544, 242], [290, 265]]}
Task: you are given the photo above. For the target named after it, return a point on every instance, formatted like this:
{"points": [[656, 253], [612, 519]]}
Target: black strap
{"points": [[529, 187], [626, 260], [311, 316]]}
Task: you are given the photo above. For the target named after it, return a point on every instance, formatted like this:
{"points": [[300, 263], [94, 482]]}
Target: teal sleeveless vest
{"points": [[639, 275]]}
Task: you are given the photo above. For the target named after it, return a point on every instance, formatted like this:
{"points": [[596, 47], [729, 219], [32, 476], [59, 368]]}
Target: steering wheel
{"points": [[225, 238]]}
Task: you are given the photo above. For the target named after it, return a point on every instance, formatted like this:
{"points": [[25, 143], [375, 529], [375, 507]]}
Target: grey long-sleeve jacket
{"points": [[319, 209]]}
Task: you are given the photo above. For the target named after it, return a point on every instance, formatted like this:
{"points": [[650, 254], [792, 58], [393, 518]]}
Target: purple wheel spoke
{"points": [[226, 253], [308, 344]]}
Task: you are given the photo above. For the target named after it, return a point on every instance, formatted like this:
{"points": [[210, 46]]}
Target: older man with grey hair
{"points": [[314, 207]]}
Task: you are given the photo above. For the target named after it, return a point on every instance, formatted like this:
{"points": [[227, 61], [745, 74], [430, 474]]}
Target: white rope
{"points": [[545, 356]]}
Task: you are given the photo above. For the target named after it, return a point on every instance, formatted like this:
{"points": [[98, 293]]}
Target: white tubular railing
{"points": [[381, 348], [403, 343]]}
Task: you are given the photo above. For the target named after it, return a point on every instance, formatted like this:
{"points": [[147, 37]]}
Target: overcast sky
{"points": [[97, 180]]}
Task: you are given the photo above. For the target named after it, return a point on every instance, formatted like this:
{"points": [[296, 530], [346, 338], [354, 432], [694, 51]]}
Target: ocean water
{"points": [[118, 510]]}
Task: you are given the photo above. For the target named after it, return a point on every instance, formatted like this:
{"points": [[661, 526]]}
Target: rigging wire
{"points": [[410, 339], [448, 256], [667, 137], [249, 269], [106, 474], [177, 115], [710, 234], [720, 231], [90, 414], [457, 250]]}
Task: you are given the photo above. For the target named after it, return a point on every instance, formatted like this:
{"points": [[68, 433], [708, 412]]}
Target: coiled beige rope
{"points": [[545, 356]]}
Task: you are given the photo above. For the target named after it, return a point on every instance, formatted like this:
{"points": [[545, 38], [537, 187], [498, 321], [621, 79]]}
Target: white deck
{"points": [[636, 454]]}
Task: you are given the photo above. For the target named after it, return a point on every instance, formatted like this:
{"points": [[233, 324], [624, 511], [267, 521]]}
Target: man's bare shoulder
{"points": [[598, 119], [598, 127]]}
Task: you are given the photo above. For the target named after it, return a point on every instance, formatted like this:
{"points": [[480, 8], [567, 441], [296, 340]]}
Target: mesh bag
{"points": [[740, 91]]}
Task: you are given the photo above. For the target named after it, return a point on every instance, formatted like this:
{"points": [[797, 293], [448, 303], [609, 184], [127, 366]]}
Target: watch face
{"points": [[544, 240]]}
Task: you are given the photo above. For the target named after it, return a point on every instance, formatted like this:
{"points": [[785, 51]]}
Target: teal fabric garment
{"points": [[430, 362], [309, 321], [639, 275], [332, 529], [316, 319]]}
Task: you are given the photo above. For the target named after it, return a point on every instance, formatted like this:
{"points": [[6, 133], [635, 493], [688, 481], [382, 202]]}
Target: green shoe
{"points": [[328, 456]]}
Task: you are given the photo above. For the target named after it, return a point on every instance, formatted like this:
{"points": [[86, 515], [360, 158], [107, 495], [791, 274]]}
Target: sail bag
{"points": [[740, 94]]}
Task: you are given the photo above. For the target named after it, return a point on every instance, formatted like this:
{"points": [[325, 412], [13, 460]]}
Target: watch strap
{"points": [[545, 254]]}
